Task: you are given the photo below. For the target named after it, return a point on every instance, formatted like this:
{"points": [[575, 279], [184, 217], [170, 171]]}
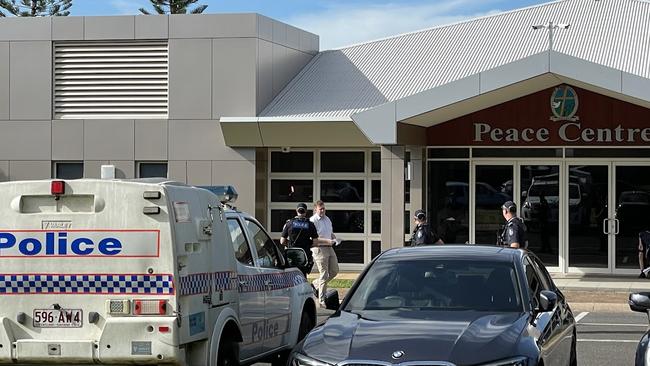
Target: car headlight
{"points": [[299, 359], [516, 361]]}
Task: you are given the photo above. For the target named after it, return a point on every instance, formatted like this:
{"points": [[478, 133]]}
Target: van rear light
{"points": [[118, 307], [57, 188], [149, 307], [163, 329]]}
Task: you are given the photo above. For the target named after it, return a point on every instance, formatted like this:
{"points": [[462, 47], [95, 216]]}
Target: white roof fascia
{"points": [[284, 119], [378, 124]]}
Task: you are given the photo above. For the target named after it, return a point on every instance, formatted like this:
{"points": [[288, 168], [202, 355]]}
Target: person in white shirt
{"points": [[324, 255]]}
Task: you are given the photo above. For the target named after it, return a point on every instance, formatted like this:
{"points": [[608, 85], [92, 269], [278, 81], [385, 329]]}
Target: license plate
{"points": [[64, 318]]}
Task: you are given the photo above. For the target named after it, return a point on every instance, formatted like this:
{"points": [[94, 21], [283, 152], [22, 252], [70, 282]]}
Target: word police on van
{"points": [[143, 272]]}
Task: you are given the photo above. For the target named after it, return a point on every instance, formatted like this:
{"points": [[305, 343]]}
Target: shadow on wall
{"points": [[349, 88]]}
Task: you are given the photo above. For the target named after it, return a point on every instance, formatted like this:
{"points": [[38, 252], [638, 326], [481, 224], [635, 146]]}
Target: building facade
{"points": [[455, 119]]}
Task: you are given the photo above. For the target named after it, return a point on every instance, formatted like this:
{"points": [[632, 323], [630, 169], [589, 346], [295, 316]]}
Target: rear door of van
{"points": [[86, 272]]}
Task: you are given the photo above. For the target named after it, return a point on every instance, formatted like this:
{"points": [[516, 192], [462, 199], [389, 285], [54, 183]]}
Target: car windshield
{"points": [[438, 285]]}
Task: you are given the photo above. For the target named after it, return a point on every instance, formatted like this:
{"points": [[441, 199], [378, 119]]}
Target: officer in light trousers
{"points": [[324, 255]]}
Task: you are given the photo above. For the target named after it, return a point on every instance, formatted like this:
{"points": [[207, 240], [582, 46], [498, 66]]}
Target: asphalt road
{"points": [[604, 339], [609, 339]]}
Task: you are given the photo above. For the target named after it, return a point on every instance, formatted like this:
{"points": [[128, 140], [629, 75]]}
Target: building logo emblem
{"points": [[564, 104]]}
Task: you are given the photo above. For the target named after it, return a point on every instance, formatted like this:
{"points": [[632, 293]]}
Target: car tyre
{"points": [[306, 325], [228, 354]]}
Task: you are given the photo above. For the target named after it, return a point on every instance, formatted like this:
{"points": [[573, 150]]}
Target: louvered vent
{"points": [[111, 80]]}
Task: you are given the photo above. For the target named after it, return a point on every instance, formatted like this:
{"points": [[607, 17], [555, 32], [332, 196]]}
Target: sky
{"points": [[338, 22]]}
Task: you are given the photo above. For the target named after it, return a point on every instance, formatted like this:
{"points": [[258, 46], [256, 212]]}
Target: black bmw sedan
{"points": [[447, 305]]}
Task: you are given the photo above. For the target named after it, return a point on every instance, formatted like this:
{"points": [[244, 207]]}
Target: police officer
{"points": [[514, 232], [422, 234], [300, 232]]}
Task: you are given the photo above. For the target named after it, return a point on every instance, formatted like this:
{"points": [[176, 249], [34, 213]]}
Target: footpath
{"points": [[589, 293]]}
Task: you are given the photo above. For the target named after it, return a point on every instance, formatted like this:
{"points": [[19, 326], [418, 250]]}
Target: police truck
{"points": [[143, 272]]}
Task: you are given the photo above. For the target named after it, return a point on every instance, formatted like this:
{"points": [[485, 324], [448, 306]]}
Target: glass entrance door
{"points": [[589, 224], [493, 186], [631, 213]]}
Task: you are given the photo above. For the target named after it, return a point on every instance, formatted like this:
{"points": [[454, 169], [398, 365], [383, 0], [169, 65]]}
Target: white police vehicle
{"points": [[142, 272]]}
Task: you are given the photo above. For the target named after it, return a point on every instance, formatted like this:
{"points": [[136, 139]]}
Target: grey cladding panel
{"points": [[212, 25], [31, 83], [177, 170], [4, 80], [68, 139], [279, 66], [92, 168], [199, 173], [279, 32], [190, 77], [151, 27], [25, 140], [265, 27], [200, 140], [26, 29], [28, 170], [109, 139], [4, 171], [67, 28], [109, 28], [234, 77], [123, 169], [264, 75], [293, 37], [151, 139]]}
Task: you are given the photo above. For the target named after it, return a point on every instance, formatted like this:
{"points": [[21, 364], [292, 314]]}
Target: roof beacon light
{"points": [[57, 188], [227, 194]]}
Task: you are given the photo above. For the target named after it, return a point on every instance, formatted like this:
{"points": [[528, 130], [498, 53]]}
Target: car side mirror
{"points": [[296, 257], [547, 300], [639, 301]]}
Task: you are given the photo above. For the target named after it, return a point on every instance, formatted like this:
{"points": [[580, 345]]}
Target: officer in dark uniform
{"points": [[300, 232], [514, 231], [644, 252], [422, 233]]}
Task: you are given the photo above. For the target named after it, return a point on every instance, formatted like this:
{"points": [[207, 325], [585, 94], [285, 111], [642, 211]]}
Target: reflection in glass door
{"points": [[540, 210], [493, 186], [632, 212], [588, 225]]}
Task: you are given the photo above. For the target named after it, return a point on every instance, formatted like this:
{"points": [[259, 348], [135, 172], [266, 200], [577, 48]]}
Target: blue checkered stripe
{"points": [[277, 281], [90, 284], [200, 283]]}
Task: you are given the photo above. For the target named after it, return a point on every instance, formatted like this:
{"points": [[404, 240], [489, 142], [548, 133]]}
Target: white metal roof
{"points": [[338, 83]]}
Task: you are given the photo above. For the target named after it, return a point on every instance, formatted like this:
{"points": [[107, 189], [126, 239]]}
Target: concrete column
{"points": [[392, 197]]}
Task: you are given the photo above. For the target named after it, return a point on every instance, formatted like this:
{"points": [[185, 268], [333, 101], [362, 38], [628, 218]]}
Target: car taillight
{"points": [[57, 188], [149, 307]]}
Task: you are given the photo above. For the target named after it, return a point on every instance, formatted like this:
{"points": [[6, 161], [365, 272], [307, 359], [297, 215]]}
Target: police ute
{"points": [[105, 271]]}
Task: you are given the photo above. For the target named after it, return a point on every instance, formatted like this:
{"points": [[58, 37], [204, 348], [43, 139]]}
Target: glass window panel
{"points": [[342, 190], [407, 222], [375, 222], [375, 191], [540, 210], [448, 196], [240, 245], [350, 251], [375, 249], [376, 162], [292, 162], [152, 170], [342, 162], [69, 170], [607, 153], [434, 153], [267, 253], [516, 153], [346, 221], [493, 188], [291, 190], [280, 217]]}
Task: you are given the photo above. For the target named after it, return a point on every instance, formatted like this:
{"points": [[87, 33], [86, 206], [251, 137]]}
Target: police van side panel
{"points": [[88, 275], [208, 298]]}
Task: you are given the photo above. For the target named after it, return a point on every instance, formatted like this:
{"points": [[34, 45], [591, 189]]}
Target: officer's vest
{"points": [[298, 231]]}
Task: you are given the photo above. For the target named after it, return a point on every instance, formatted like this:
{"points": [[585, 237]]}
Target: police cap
{"points": [[420, 215], [302, 207]]}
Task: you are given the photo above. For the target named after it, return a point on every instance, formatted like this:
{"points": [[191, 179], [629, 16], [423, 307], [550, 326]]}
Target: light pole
{"points": [[551, 27]]}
